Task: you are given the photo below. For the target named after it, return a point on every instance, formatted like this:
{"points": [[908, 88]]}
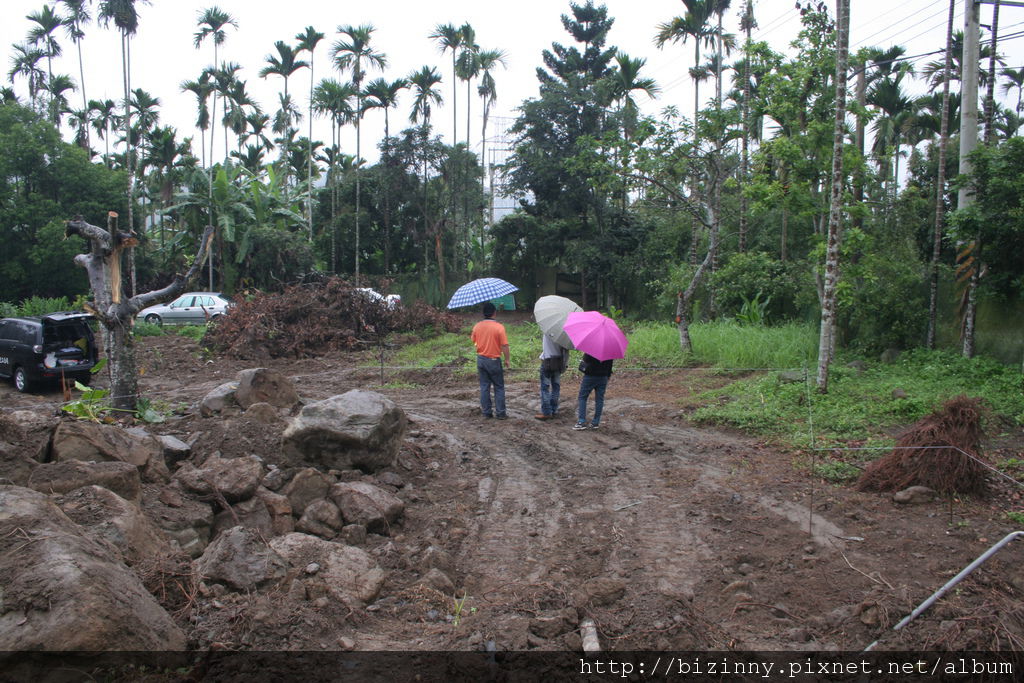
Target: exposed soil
{"points": [[669, 535]]}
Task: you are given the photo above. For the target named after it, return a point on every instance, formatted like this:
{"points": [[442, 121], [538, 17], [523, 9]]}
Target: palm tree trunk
{"points": [[126, 57], [826, 341], [358, 152], [940, 187], [309, 154], [85, 101]]}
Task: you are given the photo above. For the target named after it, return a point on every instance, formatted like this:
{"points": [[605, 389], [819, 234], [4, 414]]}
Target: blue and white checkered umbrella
{"points": [[478, 291]]}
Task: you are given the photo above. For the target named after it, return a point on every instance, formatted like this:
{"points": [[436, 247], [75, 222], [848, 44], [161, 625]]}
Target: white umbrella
{"points": [[550, 313]]}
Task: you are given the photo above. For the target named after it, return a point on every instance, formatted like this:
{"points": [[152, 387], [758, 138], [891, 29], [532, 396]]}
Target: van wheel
{"points": [[21, 382]]}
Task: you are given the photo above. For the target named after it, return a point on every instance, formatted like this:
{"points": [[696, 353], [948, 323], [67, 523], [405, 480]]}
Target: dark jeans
{"points": [[597, 385], [490, 372], [550, 387]]}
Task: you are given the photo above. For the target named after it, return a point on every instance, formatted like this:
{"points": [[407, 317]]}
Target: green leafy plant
{"points": [[147, 411], [753, 312], [91, 405]]}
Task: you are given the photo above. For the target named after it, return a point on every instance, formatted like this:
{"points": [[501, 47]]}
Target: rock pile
{"points": [[83, 506]]}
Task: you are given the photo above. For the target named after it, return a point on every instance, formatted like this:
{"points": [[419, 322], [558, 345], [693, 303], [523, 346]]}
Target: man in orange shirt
{"points": [[491, 345]]}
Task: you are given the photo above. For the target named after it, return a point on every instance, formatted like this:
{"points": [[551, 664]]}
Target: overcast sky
{"points": [[163, 54]]}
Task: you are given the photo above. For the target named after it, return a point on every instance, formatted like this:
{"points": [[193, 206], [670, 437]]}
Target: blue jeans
{"points": [[490, 372], [550, 387], [597, 385]]}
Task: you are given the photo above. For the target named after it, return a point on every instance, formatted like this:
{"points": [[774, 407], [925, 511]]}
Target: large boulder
{"points": [[366, 504], [261, 385], [234, 478], [63, 591], [91, 441], [60, 477], [355, 430], [346, 572], [241, 559], [107, 518]]}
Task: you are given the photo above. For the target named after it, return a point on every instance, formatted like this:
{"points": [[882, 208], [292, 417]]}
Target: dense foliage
{"points": [[727, 202]]}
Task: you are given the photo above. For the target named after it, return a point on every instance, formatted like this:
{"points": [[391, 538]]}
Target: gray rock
{"points": [[90, 441], [241, 559], [366, 504], [235, 478], [219, 400], [321, 518], [107, 518], [251, 514], [358, 429], [262, 385], [899, 393], [348, 574], [280, 510], [175, 450], [60, 477], [76, 595], [790, 377], [915, 495], [307, 485]]}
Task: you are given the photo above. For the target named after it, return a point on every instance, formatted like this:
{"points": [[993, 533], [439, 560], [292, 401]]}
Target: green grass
{"points": [[726, 345], [860, 406]]}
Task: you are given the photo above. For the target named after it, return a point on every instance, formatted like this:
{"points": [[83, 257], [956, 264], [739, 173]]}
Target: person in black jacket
{"points": [[596, 374]]}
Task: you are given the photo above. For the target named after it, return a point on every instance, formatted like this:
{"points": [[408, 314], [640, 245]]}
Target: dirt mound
{"points": [[310, 319], [931, 453]]}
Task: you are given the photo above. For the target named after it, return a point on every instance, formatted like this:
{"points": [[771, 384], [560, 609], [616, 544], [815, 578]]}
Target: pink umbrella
{"points": [[596, 334]]}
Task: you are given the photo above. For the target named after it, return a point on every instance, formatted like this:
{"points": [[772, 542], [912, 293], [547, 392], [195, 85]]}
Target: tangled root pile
{"points": [[931, 453]]}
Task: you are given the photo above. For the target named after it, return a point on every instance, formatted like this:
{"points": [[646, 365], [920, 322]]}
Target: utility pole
{"points": [[969, 98]]}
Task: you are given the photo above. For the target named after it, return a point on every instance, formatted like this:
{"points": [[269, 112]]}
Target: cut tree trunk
{"points": [[115, 312]]}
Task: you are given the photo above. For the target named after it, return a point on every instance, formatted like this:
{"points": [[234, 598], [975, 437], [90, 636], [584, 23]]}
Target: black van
{"points": [[37, 349]]}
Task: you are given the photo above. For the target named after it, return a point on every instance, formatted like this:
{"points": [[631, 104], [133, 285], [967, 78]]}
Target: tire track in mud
{"points": [[630, 502]]}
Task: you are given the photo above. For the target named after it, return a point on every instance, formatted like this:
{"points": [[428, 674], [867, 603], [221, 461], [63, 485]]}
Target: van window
{"points": [[27, 333], [8, 330]]}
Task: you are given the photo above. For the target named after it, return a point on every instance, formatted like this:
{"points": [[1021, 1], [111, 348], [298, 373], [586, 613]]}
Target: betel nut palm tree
{"points": [[351, 53], [76, 18], [422, 83], [125, 17], [449, 38], [283, 64], [308, 40], [213, 23]]}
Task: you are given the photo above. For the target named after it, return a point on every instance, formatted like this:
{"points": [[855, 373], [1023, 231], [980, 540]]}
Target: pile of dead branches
{"points": [[311, 319], [940, 451]]}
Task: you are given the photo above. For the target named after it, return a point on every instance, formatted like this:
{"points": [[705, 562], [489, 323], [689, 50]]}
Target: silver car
{"points": [[193, 308]]}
